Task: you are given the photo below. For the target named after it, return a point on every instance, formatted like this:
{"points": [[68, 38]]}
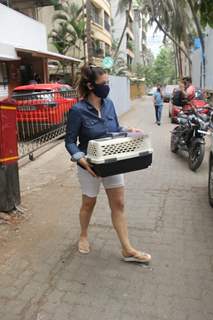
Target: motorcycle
{"points": [[189, 136]]}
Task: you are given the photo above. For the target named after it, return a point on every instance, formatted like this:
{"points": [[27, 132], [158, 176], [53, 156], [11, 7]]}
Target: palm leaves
{"points": [[68, 30], [120, 67], [170, 18], [177, 18]]}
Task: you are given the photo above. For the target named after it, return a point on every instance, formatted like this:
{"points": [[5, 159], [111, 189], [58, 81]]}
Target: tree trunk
{"points": [[88, 32], [176, 61], [180, 62], [124, 29], [200, 34], [84, 36]]}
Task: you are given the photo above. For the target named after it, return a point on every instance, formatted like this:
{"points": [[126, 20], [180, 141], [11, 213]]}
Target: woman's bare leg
{"points": [[86, 211], [116, 202]]}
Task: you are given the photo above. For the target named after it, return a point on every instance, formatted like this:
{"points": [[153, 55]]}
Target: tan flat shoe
{"points": [[139, 256], [83, 246]]}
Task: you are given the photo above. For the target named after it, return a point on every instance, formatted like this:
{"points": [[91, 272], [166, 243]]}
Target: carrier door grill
{"points": [[122, 147]]}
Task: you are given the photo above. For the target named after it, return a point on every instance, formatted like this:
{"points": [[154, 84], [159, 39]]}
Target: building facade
{"points": [[197, 63], [27, 7], [23, 50], [100, 28], [128, 44], [137, 32]]}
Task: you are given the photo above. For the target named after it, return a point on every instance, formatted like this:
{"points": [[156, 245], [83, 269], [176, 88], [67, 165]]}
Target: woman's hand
{"points": [[84, 163], [134, 130]]}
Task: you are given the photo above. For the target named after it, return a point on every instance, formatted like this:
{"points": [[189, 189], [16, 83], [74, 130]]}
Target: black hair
{"points": [[89, 74], [188, 79]]}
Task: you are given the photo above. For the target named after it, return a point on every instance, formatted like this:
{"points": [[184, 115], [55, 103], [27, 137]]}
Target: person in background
{"points": [[189, 88], [93, 117], [158, 103]]}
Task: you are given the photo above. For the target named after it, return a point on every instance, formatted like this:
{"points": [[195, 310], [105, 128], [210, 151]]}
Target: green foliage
{"points": [[147, 72], [206, 12], [56, 3], [164, 67], [68, 30], [161, 70], [119, 68], [130, 45]]}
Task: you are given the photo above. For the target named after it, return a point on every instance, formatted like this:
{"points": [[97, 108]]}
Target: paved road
{"points": [[43, 277]]}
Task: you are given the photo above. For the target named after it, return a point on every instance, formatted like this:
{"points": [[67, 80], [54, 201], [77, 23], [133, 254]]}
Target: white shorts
{"points": [[90, 185]]}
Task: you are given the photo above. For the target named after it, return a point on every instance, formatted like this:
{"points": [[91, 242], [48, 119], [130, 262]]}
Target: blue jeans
{"points": [[158, 112]]}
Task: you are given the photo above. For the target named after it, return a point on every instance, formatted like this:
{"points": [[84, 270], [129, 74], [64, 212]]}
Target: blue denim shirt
{"points": [[84, 124], [158, 99]]}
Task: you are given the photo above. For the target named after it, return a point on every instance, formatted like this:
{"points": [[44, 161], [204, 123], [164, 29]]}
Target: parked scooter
{"points": [[189, 136]]}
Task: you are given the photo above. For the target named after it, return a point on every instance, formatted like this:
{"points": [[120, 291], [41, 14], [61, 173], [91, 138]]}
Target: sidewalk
{"points": [[42, 275]]}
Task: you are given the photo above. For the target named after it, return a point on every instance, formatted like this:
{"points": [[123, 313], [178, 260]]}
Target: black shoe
{"points": [[158, 123]]}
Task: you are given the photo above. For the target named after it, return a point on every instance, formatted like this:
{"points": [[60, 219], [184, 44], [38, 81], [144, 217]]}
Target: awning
{"points": [[49, 55], [8, 52]]}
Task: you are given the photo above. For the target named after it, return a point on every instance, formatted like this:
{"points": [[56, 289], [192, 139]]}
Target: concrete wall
{"points": [[197, 59], [45, 16], [137, 90], [196, 68], [120, 93], [21, 31], [209, 59]]}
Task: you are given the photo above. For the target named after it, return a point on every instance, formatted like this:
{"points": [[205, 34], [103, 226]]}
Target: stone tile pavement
{"points": [[44, 278]]}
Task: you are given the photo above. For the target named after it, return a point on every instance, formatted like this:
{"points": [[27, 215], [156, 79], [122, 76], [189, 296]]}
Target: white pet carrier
{"points": [[119, 153]]}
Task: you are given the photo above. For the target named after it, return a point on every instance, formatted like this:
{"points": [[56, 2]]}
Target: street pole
{"points": [[9, 175], [88, 32]]}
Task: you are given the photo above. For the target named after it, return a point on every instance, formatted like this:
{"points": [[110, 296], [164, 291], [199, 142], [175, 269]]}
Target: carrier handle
{"points": [[114, 135]]}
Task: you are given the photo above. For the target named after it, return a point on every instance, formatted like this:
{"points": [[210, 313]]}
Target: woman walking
{"points": [[93, 117], [158, 102]]}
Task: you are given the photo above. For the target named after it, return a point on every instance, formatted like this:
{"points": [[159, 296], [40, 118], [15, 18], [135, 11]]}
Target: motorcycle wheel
{"points": [[174, 140], [210, 182], [196, 155]]}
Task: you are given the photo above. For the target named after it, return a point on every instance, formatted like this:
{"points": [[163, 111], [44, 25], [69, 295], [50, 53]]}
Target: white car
{"points": [[152, 91]]}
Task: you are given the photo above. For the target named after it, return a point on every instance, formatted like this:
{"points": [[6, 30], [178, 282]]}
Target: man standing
{"points": [[189, 88], [158, 102]]}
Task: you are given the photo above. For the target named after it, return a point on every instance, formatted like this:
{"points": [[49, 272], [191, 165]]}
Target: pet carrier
{"points": [[119, 153]]}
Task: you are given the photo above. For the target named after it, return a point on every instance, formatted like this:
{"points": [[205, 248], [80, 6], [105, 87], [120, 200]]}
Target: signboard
{"points": [[107, 63]]}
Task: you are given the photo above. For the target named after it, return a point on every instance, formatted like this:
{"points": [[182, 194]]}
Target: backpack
{"points": [[179, 99]]}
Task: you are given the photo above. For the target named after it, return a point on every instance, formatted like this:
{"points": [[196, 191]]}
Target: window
{"points": [[98, 48], [106, 22], [107, 50], [96, 15], [3, 74], [129, 62]]}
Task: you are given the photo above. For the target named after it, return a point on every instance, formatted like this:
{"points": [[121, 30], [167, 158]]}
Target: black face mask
{"points": [[101, 90]]}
